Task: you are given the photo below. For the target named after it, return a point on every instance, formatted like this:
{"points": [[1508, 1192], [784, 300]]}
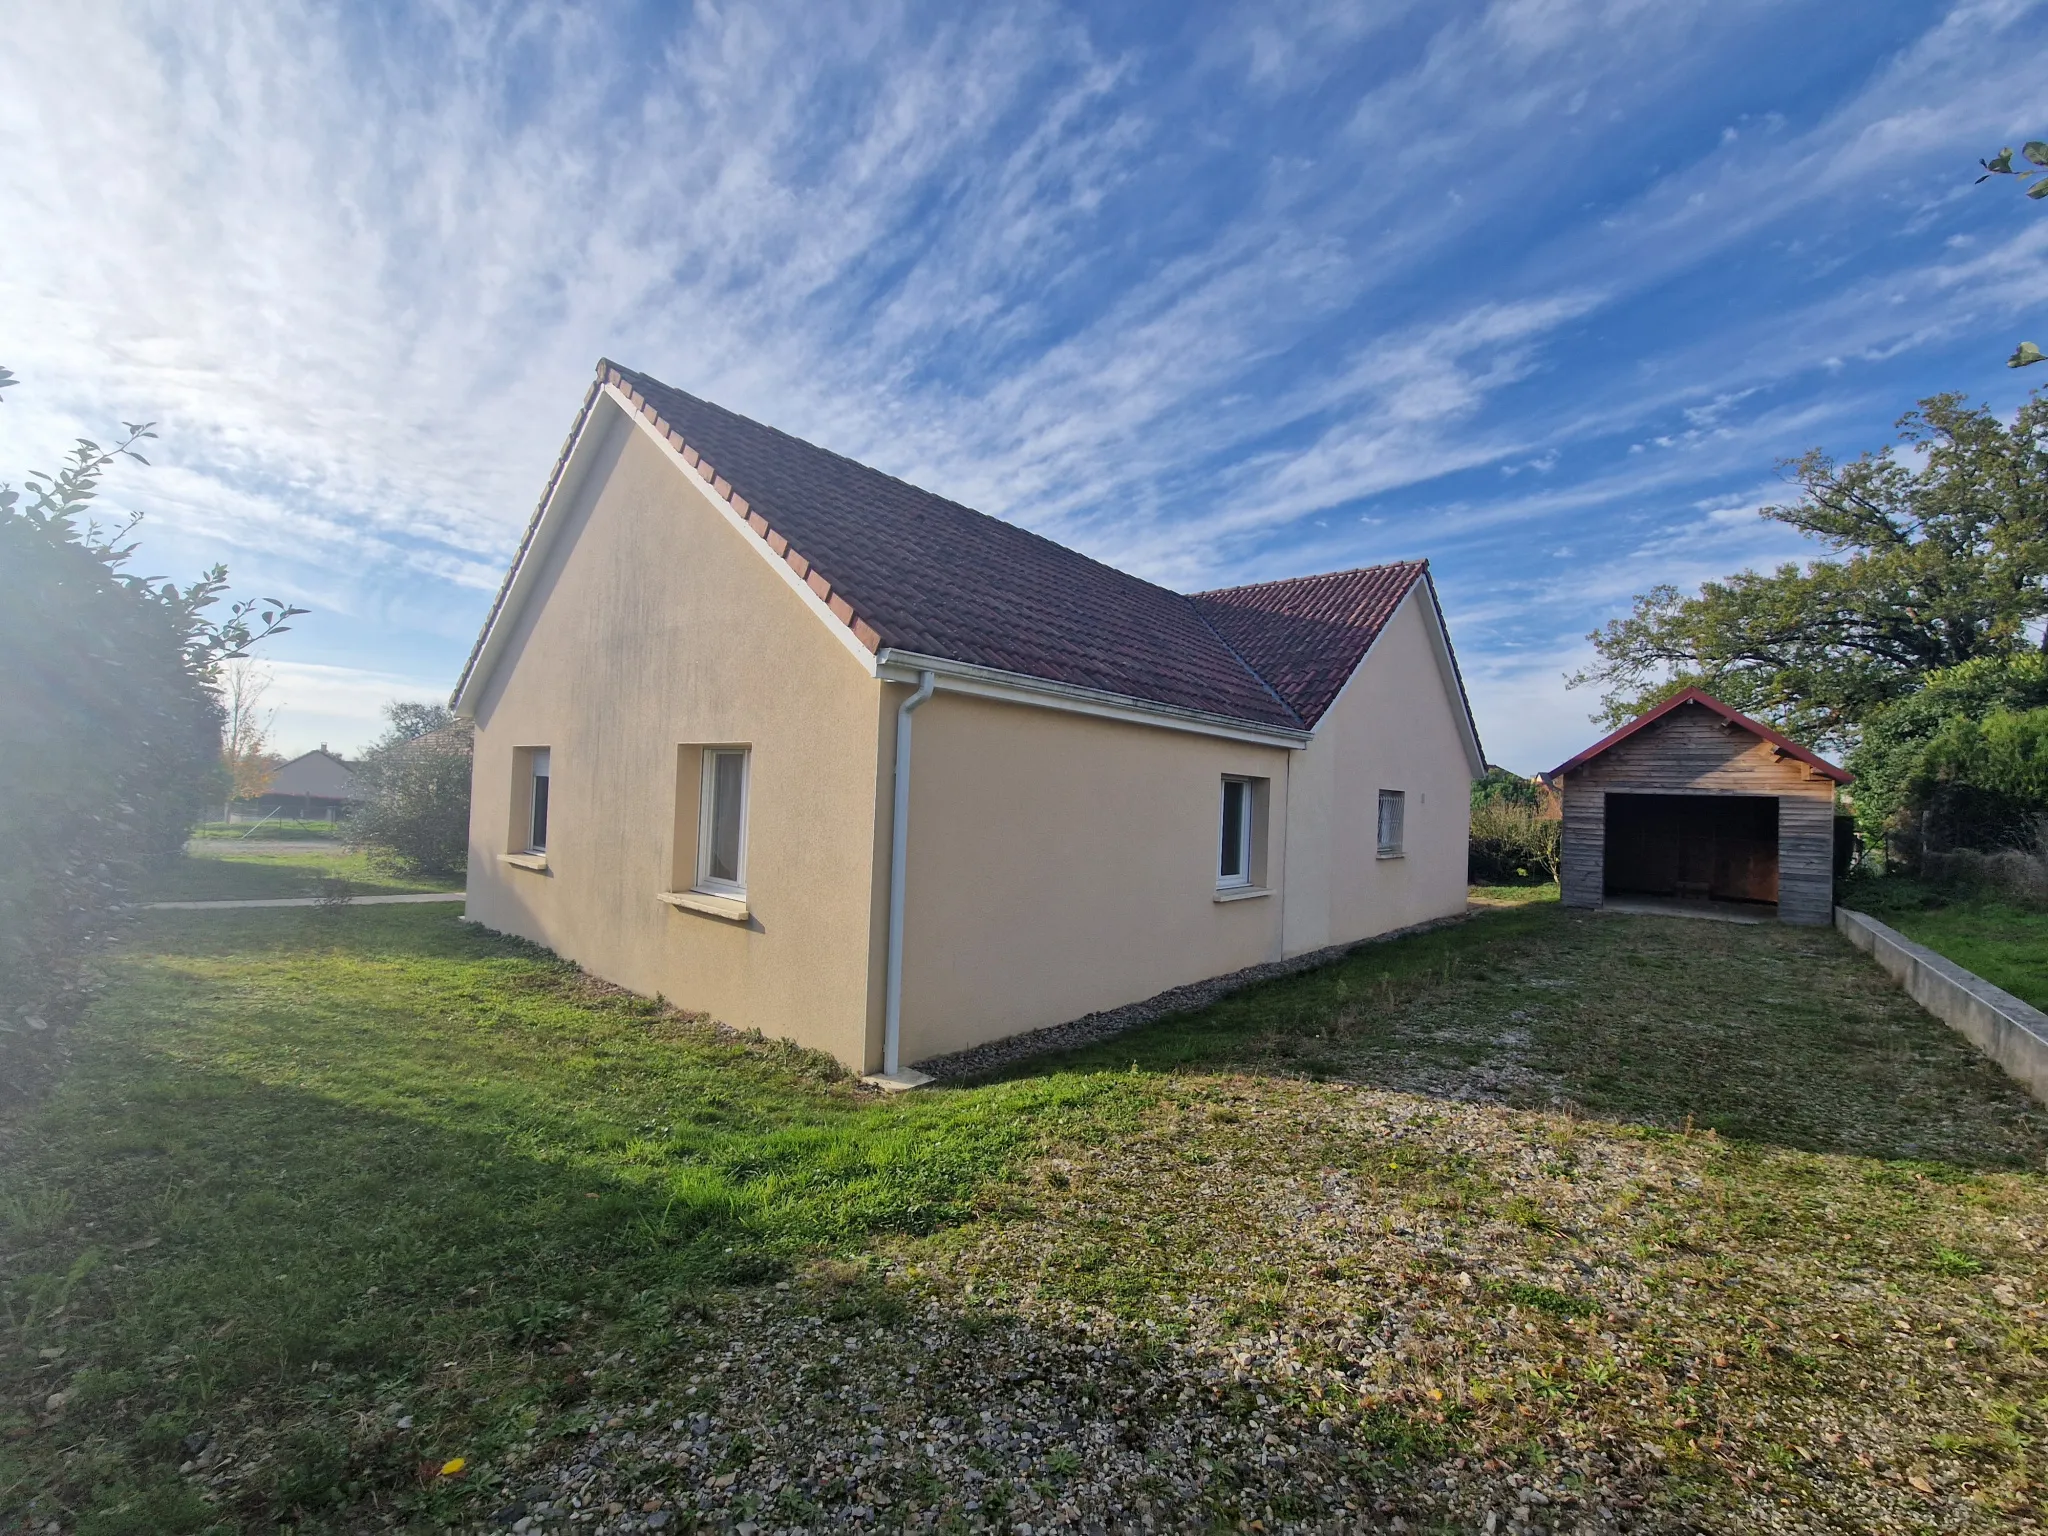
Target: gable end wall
{"points": [[1693, 751], [653, 626], [1395, 725]]}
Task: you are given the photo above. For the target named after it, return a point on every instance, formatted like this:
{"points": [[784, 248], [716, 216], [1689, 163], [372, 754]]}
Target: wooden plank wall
{"points": [[1692, 751]]}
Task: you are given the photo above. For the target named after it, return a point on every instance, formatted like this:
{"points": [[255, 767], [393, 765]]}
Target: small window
{"points": [[537, 801], [1393, 812], [1234, 867], [722, 822]]}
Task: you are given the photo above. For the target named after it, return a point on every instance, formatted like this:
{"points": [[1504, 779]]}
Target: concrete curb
{"points": [[2012, 1033], [302, 901]]}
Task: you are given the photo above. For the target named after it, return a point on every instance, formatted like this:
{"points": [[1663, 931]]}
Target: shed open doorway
{"points": [[1693, 847]]}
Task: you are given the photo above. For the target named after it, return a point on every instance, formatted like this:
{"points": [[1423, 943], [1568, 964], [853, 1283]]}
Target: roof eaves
{"points": [[1696, 695], [526, 540], [1457, 672], [898, 665]]}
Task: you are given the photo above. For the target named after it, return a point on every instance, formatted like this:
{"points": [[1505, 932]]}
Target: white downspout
{"points": [[899, 861]]}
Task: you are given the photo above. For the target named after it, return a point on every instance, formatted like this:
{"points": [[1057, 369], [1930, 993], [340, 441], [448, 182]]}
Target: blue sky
{"points": [[1542, 289]]}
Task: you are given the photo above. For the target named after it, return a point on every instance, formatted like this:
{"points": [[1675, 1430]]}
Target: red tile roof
{"points": [[1306, 636], [908, 570], [1786, 746]]}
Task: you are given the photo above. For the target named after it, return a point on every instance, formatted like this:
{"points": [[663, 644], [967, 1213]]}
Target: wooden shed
{"points": [[1695, 801]]}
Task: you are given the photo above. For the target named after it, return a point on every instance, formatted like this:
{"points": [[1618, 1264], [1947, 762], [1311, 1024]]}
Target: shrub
{"points": [[1926, 755], [1982, 784], [112, 732], [2020, 875], [415, 814], [1513, 841]]}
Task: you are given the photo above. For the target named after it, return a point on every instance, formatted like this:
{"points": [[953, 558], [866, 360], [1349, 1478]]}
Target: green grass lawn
{"points": [[315, 1161], [310, 831], [2005, 944], [1519, 895], [224, 873], [1711, 1207]]}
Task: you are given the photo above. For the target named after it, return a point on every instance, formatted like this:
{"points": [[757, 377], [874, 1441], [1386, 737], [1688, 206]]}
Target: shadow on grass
{"points": [[316, 1172], [225, 875], [1768, 1034], [303, 1260]]}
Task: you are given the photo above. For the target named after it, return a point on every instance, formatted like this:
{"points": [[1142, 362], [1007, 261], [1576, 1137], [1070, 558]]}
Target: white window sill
{"points": [[524, 860], [1395, 853], [1242, 892], [732, 908]]}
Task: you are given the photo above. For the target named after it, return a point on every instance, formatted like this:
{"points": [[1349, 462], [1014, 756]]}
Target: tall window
{"points": [[1393, 811], [722, 822], [537, 801], [1234, 866]]}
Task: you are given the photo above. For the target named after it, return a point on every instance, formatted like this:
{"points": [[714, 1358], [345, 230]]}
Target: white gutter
{"points": [[892, 1075], [899, 666]]}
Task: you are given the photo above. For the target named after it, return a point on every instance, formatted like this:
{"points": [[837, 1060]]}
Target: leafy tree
{"points": [[2035, 153], [1502, 785], [1935, 564], [245, 733], [1891, 760], [415, 812], [411, 720], [112, 724], [1983, 783]]}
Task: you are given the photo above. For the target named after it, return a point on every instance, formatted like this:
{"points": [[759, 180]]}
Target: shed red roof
{"points": [[909, 570], [1785, 744]]}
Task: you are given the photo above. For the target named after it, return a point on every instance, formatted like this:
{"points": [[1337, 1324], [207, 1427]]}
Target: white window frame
{"points": [[539, 770], [707, 809], [1398, 848], [1243, 877]]}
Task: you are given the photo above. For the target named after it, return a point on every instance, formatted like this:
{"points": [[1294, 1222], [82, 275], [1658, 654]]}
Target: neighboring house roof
{"points": [[909, 571], [318, 774], [1785, 745]]}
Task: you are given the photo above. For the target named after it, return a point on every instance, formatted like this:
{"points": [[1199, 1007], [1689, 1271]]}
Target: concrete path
{"points": [[302, 901]]}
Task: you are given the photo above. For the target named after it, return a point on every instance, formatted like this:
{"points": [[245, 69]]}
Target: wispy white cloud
{"points": [[1180, 298], [341, 708]]}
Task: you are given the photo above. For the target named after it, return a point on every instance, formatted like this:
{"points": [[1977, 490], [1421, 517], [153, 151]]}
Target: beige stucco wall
{"points": [[654, 625], [1061, 864], [1393, 727]]}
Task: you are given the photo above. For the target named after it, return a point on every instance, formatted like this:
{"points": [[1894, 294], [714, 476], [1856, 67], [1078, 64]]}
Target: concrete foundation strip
{"points": [[2011, 1032]]}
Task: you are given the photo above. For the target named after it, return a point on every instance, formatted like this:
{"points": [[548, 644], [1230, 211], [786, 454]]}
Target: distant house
{"points": [[694, 705], [1694, 801], [314, 786]]}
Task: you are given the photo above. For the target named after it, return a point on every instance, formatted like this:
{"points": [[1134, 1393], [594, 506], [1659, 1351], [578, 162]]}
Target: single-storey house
{"points": [[314, 786], [1696, 801], [782, 738]]}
